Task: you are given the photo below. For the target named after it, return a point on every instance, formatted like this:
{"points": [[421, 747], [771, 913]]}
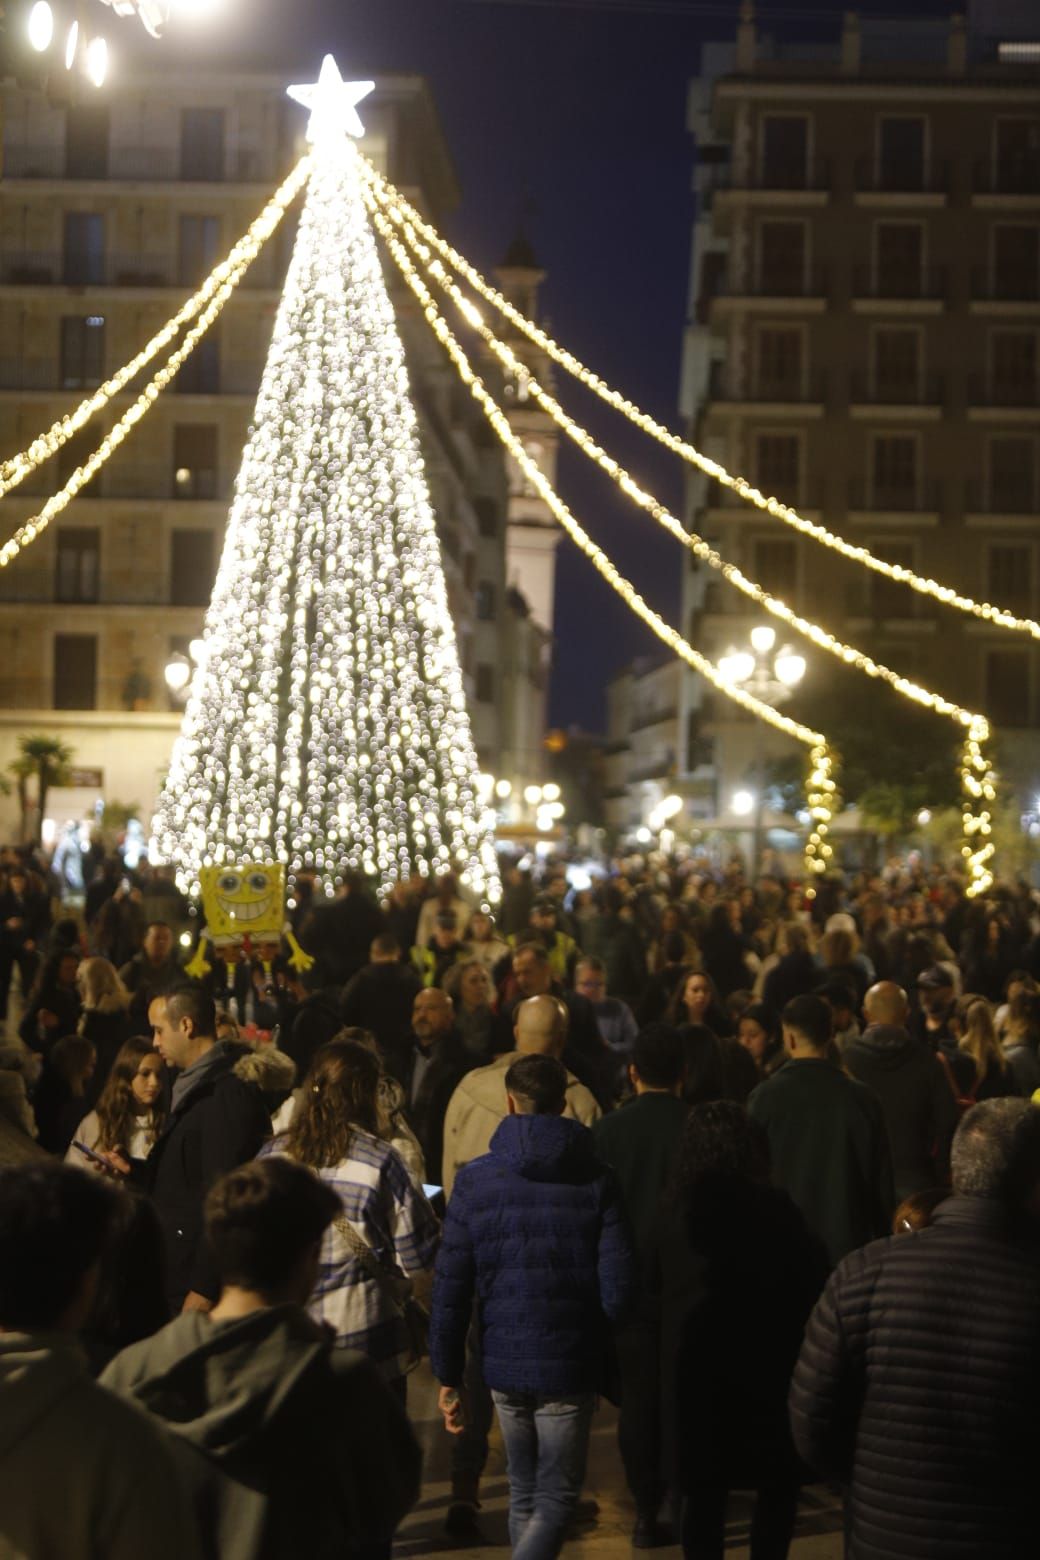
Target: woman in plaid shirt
{"points": [[335, 1133]]}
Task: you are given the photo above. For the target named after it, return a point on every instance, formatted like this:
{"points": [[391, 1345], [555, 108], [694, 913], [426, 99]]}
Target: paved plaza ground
{"points": [[606, 1536]]}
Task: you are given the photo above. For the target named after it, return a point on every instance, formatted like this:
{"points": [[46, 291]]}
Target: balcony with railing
{"points": [[990, 391], [1006, 493], [919, 390], [786, 282], [894, 176], [794, 388], [1009, 176], [47, 376], [142, 164], [906, 283], [909, 496], [57, 268], [1007, 284]]}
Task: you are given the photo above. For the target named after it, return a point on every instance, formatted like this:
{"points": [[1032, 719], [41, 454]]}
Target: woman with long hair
{"points": [[336, 1133], [105, 1016], [696, 1001], [725, 1238], [469, 986], [978, 1037], [759, 1034], [695, 1007], [129, 1114], [1022, 1041]]}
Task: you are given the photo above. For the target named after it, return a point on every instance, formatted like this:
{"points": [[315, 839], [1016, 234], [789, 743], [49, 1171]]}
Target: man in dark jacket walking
{"points": [[216, 1121], [535, 1230], [827, 1136], [431, 1070], [640, 1142], [913, 1086], [379, 997], [919, 1375]]}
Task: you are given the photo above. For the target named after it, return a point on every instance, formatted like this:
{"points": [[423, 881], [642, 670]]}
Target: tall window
{"points": [[785, 151], [778, 465], [86, 141], [901, 153], [82, 350], [485, 601], [200, 373], [899, 259], [84, 255], [1007, 687], [191, 568], [778, 367], [1014, 367], [894, 472], [75, 671], [897, 363], [1016, 261], [487, 516], [485, 682], [74, 452], [889, 599], [781, 258], [1012, 474], [1010, 576], [77, 573], [776, 568], [202, 144], [1017, 155], [195, 460], [199, 241]]}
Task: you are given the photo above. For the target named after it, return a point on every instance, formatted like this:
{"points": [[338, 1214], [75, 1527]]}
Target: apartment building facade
{"points": [[863, 342], [110, 212]]}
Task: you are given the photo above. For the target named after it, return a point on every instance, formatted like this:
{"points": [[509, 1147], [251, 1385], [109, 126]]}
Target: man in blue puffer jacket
{"points": [[535, 1232]]}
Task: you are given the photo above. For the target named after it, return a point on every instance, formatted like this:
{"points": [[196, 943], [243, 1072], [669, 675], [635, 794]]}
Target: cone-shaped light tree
{"points": [[326, 724]]}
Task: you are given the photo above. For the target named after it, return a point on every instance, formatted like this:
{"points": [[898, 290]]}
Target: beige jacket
{"points": [[479, 1104]]}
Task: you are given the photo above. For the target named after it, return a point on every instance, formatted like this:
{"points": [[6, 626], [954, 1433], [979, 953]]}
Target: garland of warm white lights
{"points": [[326, 724], [17, 467], [821, 786], [32, 528], [977, 780], [400, 210]]}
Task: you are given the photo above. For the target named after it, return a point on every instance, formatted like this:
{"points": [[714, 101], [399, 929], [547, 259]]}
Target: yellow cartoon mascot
{"points": [[245, 901]]}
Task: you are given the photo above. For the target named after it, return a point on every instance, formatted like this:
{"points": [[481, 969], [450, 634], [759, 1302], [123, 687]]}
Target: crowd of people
{"points": [[759, 1167]]}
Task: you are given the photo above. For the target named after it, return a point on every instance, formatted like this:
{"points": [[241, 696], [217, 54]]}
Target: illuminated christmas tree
{"points": [[326, 724]]}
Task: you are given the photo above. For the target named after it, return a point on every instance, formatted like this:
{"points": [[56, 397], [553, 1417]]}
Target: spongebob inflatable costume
{"points": [[245, 902]]}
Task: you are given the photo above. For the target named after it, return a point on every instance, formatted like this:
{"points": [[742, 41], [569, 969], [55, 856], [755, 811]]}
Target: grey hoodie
{"points": [[290, 1448], [82, 1475]]}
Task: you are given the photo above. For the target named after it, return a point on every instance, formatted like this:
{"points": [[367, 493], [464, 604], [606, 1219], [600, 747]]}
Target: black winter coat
{"points": [[218, 1125], [917, 1101], [918, 1383], [734, 1280], [380, 998], [449, 1064]]}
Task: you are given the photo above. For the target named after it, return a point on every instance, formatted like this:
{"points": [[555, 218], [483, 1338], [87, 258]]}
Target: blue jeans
{"points": [[546, 1441]]}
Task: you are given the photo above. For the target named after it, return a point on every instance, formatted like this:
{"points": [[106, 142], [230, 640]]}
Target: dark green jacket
{"points": [[640, 1143], [829, 1151], [290, 1448]]}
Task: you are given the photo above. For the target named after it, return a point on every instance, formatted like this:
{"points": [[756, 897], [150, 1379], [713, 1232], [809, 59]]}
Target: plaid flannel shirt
{"points": [[391, 1213]]}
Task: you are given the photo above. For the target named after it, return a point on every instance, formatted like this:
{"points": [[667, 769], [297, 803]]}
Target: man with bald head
{"points": [[437, 1060], [479, 1102], [478, 1107], [915, 1090]]}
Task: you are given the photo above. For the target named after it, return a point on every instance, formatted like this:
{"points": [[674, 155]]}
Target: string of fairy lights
{"points": [[977, 780], [402, 211], [394, 218]]}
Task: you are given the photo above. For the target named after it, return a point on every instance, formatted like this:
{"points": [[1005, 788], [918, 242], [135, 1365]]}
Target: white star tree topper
{"points": [[333, 103]]}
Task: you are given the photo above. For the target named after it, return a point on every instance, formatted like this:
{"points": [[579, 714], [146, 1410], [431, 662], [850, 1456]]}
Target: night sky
{"points": [[573, 111]]}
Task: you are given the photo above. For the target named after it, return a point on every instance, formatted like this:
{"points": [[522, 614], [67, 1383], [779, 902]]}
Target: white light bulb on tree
{"points": [[41, 26], [743, 803], [327, 723], [504, 790], [551, 792], [532, 795]]}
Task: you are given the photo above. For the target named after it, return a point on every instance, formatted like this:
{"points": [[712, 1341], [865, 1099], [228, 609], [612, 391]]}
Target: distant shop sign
{"points": [[86, 779]]}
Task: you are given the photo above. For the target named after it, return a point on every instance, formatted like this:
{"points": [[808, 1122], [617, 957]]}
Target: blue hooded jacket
{"points": [[536, 1234]]}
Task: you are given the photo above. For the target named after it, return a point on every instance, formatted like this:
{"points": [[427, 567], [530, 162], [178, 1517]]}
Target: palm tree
{"points": [[49, 759]]}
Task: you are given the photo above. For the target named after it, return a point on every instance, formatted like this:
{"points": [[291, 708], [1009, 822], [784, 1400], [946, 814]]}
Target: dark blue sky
{"points": [[578, 109]]}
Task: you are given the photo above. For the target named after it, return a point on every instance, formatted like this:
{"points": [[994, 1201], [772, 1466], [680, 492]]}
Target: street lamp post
{"points": [[772, 676]]}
